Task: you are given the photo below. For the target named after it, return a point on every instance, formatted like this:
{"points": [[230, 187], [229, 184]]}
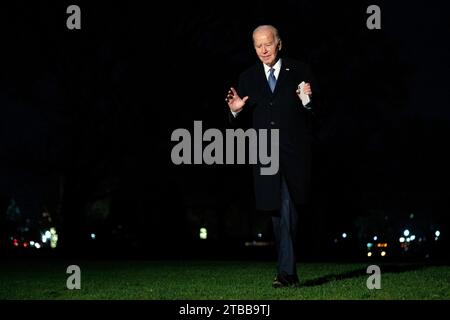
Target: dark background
{"points": [[87, 115]]}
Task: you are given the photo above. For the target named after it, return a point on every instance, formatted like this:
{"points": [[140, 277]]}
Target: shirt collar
{"points": [[276, 66]]}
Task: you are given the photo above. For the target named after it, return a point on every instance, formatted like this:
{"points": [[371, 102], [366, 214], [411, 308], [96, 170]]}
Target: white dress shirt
{"points": [[276, 72]]}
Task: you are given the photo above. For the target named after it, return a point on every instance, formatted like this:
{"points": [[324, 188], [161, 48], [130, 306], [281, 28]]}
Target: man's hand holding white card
{"points": [[304, 92]]}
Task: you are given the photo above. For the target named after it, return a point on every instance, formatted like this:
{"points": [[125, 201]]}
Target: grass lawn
{"points": [[216, 280]]}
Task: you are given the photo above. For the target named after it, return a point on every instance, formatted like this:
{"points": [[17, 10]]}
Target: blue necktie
{"points": [[272, 80]]}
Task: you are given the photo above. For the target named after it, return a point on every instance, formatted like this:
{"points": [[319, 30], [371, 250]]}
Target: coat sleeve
{"points": [[313, 106]]}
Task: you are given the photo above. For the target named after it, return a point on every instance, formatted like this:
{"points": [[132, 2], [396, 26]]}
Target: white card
{"points": [[304, 97]]}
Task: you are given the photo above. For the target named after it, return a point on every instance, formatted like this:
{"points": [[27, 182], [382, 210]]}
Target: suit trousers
{"points": [[285, 232]]}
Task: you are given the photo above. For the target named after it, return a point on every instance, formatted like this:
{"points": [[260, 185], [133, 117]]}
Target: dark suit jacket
{"points": [[281, 110]]}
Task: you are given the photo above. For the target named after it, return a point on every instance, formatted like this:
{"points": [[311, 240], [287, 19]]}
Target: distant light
{"points": [[37, 245], [436, 238], [44, 239], [52, 230], [369, 254], [48, 234], [412, 237], [25, 244], [54, 241], [375, 238], [259, 235], [402, 239], [383, 253], [335, 240], [93, 236], [257, 243], [411, 216], [16, 244], [369, 245], [406, 233], [408, 239], [344, 235], [203, 233], [437, 233]]}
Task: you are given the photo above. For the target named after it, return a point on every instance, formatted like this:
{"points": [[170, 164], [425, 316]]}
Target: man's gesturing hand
{"points": [[235, 103]]}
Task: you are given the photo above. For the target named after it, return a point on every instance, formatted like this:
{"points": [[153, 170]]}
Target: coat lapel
{"points": [[264, 84]]}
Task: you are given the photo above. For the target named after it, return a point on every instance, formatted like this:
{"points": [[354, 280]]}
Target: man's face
{"points": [[266, 46]]}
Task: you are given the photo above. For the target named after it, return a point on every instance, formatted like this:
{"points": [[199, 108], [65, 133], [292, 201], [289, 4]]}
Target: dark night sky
{"points": [[104, 100]]}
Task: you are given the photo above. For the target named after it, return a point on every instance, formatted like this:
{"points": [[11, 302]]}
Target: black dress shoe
{"points": [[285, 280]]}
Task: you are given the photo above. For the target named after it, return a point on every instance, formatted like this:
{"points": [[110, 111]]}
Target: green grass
{"points": [[198, 280]]}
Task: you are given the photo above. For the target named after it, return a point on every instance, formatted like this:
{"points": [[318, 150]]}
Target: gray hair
{"points": [[268, 26]]}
